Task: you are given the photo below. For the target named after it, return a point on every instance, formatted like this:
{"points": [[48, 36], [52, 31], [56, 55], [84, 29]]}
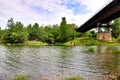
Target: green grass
{"points": [[21, 77], [34, 43], [74, 78], [27, 43], [91, 49], [82, 41], [88, 41], [116, 51]]}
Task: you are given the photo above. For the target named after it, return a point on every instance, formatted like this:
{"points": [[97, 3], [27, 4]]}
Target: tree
{"points": [[116, 28], [54, 33], [34, 32], [67, 32], [15, 33], [90, 33], [71, 32], [63, 30], [11, 24]]}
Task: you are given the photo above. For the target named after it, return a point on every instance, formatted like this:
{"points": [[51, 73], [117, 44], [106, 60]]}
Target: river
{"points": [[58, 62]]}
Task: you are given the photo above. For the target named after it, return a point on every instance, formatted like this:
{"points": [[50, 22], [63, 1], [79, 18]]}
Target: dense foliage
{"points": [[67, 31], [16, 32], [116, 29]]}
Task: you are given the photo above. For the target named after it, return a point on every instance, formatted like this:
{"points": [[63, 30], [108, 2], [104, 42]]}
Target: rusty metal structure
{"points": [[105, 15]]}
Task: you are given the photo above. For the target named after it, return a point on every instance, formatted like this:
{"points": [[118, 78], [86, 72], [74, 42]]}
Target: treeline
{"points": [[16, 32]]}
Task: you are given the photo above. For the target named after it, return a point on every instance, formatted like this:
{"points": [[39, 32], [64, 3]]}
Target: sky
{"points": [[49, 12]]}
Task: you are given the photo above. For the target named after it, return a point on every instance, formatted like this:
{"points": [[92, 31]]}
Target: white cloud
{"points": [[94, 4], [23, 10]]}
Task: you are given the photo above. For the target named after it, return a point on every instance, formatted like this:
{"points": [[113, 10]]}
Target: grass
{"points": [[27, 43], [82, 41], [116, 51], [34, 43], [91, 49], [87, 41], [74, 78], [21, 77]]}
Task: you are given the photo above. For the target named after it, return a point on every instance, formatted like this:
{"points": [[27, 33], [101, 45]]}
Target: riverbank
{"points": [[83, 41], [27, 43], [88, 41]]}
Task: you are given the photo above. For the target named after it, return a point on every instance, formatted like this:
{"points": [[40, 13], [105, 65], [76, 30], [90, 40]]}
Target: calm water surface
{"points": [[58, 62]]}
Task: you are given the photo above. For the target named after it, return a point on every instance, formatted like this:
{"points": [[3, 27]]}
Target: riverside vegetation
{"points": [[64, 34]]}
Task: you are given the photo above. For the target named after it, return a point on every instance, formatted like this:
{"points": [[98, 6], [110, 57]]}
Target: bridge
{"points": [[107, 14]]}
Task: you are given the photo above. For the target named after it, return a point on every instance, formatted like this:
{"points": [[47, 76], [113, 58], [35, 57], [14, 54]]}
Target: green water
{"points": [[58, 62]]}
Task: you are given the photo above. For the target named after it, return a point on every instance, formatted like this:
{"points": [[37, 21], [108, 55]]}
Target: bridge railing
{"points": [[99, 10]]}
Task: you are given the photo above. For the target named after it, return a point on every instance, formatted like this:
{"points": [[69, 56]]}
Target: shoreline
{"points": [[83, 41]]}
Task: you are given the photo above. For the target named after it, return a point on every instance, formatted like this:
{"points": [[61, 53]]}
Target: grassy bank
{"points": [[87, 41], [27, 43], [83, 41], [34, 43]]}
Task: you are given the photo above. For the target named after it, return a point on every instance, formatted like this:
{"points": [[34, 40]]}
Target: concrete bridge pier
{"points": [[104, 32]]}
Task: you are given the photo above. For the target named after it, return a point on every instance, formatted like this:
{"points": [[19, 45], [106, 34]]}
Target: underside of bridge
{"points": [[107, 14]]}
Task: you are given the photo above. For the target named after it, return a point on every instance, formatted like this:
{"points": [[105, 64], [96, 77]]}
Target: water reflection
{"points": [[65, 53], [108, 61], [64, 58], [57, 62]]}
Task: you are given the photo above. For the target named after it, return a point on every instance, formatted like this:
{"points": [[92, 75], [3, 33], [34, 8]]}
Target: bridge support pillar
{"points": [[104, 32]]}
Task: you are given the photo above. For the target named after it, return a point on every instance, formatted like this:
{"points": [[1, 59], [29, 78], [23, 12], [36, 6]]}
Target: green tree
{"points": [[67, 32], [63, 30], [34, 32], [48, 36], [54, 33], [90, 33], [116, 28], [29, 28], [11, 24], [15, 33], [71, 32]]}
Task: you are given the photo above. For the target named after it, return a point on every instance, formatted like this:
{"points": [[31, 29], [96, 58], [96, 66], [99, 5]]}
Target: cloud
{"points": [[48, 11]]}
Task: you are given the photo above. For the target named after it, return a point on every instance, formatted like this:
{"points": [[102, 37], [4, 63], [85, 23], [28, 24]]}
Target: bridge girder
{"points": [[108, 13]]}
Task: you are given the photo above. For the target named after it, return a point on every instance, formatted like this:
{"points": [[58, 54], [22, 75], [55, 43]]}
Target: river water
{"points": [[58, 62]]}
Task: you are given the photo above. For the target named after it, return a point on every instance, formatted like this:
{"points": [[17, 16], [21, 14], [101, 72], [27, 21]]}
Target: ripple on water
{"points": [[58, 62]]}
